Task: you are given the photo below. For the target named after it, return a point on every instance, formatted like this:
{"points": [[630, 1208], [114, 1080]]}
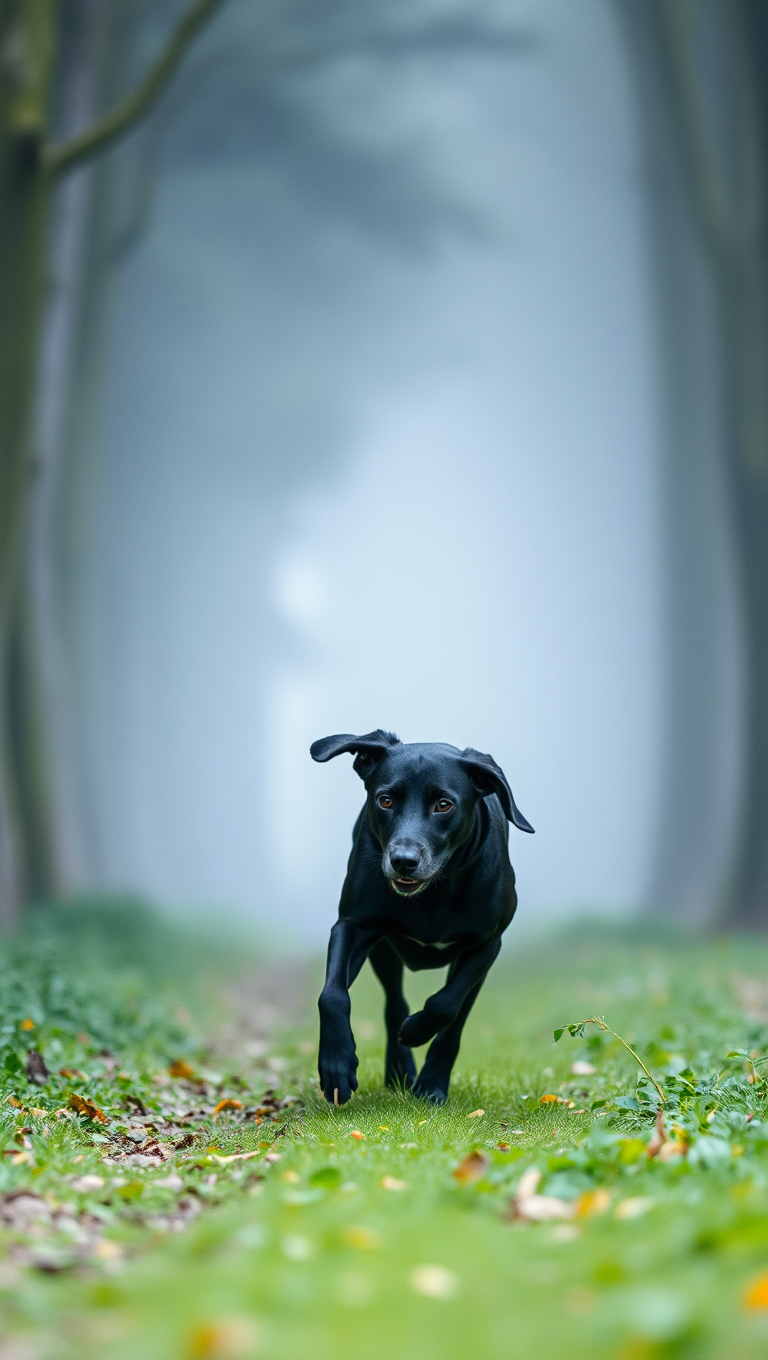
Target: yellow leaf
{"points": [[179, 1068], [27, 1024], [87, 1108], [476, 1114], [548, 1100], [17, 1105], [592, 1202], [471, 1168], [226, 1339], [756, 1293], [227, 1105]]}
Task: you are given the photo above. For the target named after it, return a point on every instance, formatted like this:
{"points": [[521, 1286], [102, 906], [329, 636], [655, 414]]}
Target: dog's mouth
{"points": [[407, 887]]}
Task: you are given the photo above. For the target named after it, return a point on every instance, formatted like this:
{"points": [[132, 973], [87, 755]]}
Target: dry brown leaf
{"points": [[72, 1074], [86, 1107], [11, 1100], [227, 1104], [471, 1168], [476, 1114], [180, 1068]]}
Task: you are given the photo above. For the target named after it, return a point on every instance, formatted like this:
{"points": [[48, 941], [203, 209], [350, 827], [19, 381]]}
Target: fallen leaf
{"points": [[227, 1104], [86, 1107], [476, 1114], [548, 1100], [241, 1157], [17, 1105], [592, 1202], [226, 1339], [72, 1074], [756, 1293], [363, 1238], [503, 1147], [435, 1282], [355, 1133], [27, 1024], [392, 1183], [180, 1068], [543, 1208], [529, 1183], [471, 1168]]}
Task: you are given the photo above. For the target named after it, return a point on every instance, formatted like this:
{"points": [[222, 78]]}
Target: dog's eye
{"points": [[443, 805], [385, 802]]}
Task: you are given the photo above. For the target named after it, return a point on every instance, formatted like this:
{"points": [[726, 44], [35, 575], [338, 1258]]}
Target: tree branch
{"points": [[58, 157]]}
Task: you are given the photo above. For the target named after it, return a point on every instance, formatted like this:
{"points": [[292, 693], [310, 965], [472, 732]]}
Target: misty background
{"points": [[362, 423]]}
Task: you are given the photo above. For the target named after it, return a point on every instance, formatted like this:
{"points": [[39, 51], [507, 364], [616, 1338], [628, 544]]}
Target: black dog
{"points": [[429, 882]]}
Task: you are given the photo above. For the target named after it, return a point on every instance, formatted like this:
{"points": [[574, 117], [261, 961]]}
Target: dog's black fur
{"points": [[428, 883]]}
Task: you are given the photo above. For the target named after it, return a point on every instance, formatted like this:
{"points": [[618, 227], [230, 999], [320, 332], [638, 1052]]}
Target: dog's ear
{"points": [[488, 777], [368, 750]]}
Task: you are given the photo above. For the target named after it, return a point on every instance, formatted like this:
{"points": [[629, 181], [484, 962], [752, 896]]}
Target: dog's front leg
{"points": [[443, 1008], [337, 1060]]}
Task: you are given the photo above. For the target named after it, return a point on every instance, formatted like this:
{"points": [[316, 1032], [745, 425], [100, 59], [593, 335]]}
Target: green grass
{"points": [[324, 1244]]}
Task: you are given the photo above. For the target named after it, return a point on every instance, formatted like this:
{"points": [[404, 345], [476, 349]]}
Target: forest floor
{"points": [[172, 1187]]}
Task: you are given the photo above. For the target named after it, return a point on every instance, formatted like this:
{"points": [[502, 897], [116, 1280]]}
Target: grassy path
{"points": [[544, 1212]]}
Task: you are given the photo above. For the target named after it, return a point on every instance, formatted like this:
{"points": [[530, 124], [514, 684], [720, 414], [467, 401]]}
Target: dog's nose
{"points": [[404, 861]]}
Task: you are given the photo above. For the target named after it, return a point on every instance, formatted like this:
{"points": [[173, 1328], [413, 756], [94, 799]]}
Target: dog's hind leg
{"points": [[435, 1076], [399, 1067]]}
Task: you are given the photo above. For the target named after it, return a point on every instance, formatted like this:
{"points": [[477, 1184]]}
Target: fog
{"points": [[374, 444]]}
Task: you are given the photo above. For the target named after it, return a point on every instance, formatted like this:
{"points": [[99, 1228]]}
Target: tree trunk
{"points": [[711, 62], [27, 34]]}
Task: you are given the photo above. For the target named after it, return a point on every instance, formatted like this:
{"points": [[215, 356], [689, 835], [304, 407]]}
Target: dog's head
{"points": [[421, 800]]}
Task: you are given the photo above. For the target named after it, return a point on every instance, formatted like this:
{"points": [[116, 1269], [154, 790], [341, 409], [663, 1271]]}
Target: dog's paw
{"points": [[431, 1090], [419, 1028], [338, 1077]]}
